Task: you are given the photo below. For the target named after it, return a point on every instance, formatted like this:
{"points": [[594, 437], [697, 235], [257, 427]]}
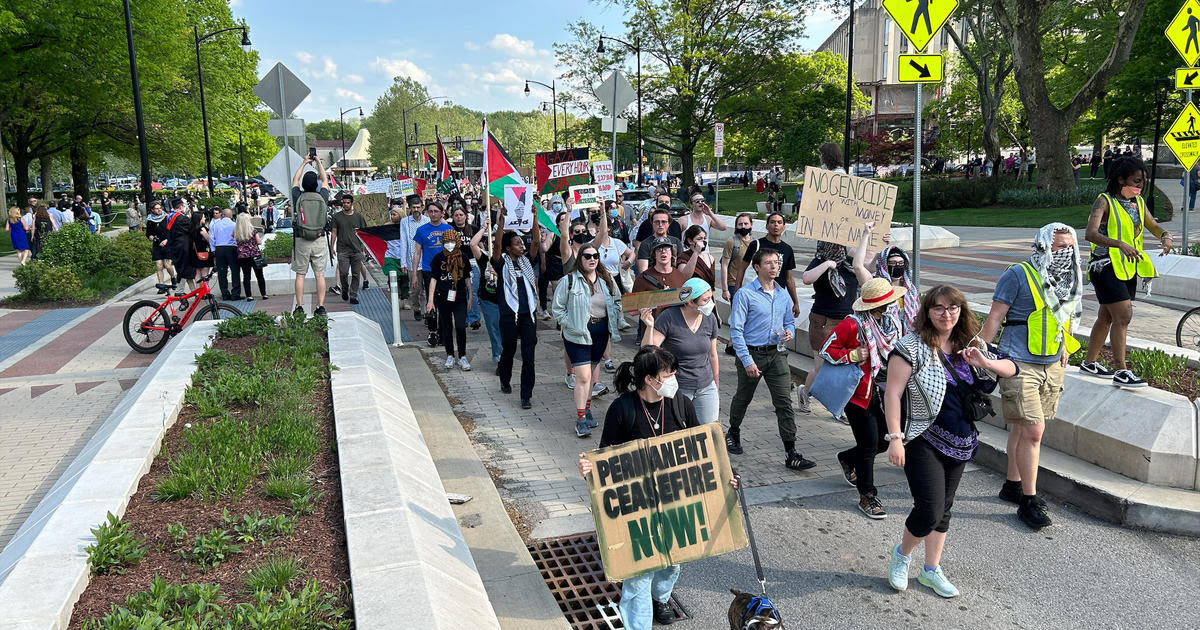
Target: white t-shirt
{"points": [[611, 254]]}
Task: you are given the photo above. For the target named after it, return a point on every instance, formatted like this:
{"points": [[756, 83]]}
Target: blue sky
{"points": [[475, 52]]}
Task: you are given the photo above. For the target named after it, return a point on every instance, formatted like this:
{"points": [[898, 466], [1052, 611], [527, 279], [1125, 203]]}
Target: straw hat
{"points": [[877, 292]]}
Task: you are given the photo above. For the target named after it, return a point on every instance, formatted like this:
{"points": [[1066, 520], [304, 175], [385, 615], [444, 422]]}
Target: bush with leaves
{"points": [[73, 246], [280, 246], [43, 280], [128, 255], [115, 548]]}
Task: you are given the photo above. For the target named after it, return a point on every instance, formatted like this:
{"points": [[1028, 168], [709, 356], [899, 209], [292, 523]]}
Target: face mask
{"points": [[897, 271], [612, 213], [742, 231], [1060, 260], [449, 246], [1130, 192], [595, 217], [668, 389], [582, 238], [707, 309], [557, 207], [664, 206]]}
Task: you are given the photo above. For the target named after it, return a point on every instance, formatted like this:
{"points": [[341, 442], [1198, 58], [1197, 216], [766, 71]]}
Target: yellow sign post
{"points": [[1184, 32], [1183, 137], [1187, 78], [920, 69], [919, 20]]}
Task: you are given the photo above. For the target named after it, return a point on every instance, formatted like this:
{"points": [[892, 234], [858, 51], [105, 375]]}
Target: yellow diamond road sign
{"points": [[1184, 136], [919, 69], [919, 20], [1184, 31], [1187, 78]]}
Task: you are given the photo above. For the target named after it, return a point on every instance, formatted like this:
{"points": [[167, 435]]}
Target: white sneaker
{"points": [[462, 363], [546, 316], [599, 388], [802, 399], [449, 362], [623, 324], [570, 381]]}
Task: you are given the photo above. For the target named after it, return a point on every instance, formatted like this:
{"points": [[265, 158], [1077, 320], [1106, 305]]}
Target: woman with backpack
{"points": [[249, 249], [946, 373], [587, 307]]}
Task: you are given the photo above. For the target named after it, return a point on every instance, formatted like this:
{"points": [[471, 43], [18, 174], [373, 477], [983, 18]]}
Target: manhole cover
{"points": [[572, 569]]}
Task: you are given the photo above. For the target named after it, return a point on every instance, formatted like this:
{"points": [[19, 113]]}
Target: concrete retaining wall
{"points": [[409, 563], [1178, 276], [44, 568]]}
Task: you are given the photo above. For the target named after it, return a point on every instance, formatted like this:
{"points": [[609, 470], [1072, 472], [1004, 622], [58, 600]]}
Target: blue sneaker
{"points": [[591, 422], [937, 581], [581, 428], [898, 572]]}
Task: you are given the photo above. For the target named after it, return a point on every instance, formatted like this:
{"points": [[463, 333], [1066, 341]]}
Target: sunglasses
{"points": [[591, 256]]}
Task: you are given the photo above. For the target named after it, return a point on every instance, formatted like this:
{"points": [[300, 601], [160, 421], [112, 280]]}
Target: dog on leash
{"points": [[752, 612]]}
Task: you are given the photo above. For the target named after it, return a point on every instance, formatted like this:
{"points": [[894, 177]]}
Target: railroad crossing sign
{"points": [[1184, 32], [1183, 137], [919, 69], [1187, 78], [919, 20]]}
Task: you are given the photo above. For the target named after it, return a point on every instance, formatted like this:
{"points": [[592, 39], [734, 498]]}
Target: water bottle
{"points": [[780, 346]]}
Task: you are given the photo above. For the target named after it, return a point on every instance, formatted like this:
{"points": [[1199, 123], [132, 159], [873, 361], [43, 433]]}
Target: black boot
{"points": [[733, 442], [663, 614]]}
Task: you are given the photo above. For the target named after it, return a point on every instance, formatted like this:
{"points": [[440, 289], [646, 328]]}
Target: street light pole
{"points": [[553, 103], [849, 87], [242, 161], [342, 132], [147, 189], [200, 80], [404, 117]]}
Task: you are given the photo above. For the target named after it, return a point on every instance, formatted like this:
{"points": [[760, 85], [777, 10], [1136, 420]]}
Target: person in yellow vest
{"points": [[1037, 302], [1115, 229]]}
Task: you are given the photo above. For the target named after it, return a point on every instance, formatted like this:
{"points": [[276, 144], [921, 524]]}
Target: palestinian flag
{"points": [[376, 238], [429, 161], [500, 172], [446, 184]]}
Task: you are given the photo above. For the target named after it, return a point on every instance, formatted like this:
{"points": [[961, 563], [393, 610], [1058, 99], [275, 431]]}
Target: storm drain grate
{"points": [[572, 568]]}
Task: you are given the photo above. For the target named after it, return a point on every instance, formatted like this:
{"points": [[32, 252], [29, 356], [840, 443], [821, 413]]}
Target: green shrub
{"points": [[74, 246], [163, 601], [42, 280], [274, 574], [128, 255], [115, 547], [1030, 197], [943, 192], [252, 323], [211, 549], [280, 246]]}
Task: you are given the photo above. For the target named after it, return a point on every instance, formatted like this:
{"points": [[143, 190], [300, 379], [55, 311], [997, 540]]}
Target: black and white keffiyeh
{"points": [[838, 254], [511, 294]]}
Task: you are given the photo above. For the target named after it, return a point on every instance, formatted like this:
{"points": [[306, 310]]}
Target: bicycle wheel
{"points": [[1187, 333], [219, 311], [146, 327]]}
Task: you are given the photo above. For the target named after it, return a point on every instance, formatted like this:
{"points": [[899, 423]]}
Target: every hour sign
{"points": [[836, 208]]}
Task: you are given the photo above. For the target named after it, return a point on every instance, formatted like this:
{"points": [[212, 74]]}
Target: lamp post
{"points": [[147, 189], [636, 48], [1160, 99], [242, 162], [849, 87], [553, 105], [404, 117], [200, 79], [342, 132]]}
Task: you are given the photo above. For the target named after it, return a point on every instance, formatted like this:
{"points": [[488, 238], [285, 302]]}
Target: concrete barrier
{"points": [[44, 569], [408, 558], [1178, 277]]}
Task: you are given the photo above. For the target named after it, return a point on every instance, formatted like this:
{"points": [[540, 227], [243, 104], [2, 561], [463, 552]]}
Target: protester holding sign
{"points": [[835, 286], [517, 299], [689, 331], [893, 265], [450, 292]]}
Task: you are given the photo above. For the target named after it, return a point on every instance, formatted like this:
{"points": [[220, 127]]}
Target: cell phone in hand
{"points": [[312, 153]]}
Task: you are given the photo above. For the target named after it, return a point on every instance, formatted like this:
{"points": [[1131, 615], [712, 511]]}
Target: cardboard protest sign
{"points": [[655, 298], [584, 197], [518, 200], [664, 500], [602, 176], [836, 208], [559, 170]]}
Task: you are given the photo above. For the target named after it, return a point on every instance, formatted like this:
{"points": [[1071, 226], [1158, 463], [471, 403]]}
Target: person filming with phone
{"points": [[310, 198]]}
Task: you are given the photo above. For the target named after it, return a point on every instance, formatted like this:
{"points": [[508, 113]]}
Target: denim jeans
{"points": [[491, 319], [636, 610], [473, 314], [706, 400]]}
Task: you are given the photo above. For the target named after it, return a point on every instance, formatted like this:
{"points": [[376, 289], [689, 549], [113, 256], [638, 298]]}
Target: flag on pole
{"points": [[429, 161], [446, 184], [501, 172]]}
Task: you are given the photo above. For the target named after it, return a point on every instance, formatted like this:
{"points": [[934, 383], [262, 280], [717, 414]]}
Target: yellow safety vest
{"points": [[1120, 227], [1046, 335]]}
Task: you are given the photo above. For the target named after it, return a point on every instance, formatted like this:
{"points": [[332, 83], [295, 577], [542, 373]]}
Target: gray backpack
{"points": [[310, 216]]}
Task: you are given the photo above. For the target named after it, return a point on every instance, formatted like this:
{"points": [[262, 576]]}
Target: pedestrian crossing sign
{"points": [[919, 20], [1183, 137], [1184, 31]]}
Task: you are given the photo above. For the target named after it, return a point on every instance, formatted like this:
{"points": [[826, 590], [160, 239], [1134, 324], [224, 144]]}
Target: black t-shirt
{"points": [[489, 291], [786, 255], [646, 230], [824, 301], [522, 297], [626, 418], [444, 281]]}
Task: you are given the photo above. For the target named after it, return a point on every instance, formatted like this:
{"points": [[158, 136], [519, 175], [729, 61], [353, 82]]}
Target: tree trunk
{"points": [[991, 139], [79, 167], [688, 177], [21, 164], [47, 184], [1051, 137]]}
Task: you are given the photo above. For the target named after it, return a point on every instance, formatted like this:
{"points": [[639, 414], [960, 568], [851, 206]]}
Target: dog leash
{"points": [[758, 570]]}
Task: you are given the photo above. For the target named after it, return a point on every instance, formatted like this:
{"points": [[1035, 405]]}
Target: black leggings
{"points": [[458, 310], [246, 264], [869, 427], [933, 479]]}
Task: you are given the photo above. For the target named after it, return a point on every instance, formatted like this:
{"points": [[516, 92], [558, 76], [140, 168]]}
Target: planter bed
{"points": [[259, 406]]}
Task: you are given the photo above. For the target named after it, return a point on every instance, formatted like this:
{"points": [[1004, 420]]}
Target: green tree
{"points": [[331, 129], [962, 127]]}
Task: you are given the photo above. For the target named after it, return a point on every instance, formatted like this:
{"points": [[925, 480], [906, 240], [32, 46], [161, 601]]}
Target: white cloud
{"points": [[400, 68], [234, 4], [470, 45], [512, 45], [353, 78], [328, 69], [349, 95], [304, 57]]}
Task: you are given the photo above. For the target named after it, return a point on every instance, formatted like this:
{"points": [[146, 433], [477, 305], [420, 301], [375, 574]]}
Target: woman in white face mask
{"points": [[450, 292], [689, 331]]}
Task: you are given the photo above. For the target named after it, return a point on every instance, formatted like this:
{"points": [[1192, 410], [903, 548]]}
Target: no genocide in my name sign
{"points": [[836, 208]]}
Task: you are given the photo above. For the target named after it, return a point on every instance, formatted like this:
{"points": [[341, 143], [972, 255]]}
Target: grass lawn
{"points": [[737, 199]]}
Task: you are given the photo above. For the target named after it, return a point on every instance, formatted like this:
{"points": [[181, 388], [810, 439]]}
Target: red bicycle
{"points": [[149, 325]]}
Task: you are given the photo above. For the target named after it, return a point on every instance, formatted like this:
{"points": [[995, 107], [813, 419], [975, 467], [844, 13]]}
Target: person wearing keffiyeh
{"points": [[835, 286], [1054, 273], [517, 289], [893, 265]]}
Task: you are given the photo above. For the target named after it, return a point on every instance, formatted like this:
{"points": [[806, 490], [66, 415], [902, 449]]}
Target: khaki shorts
{"points": [[1031, 397], [314, 254], [819, 328]]}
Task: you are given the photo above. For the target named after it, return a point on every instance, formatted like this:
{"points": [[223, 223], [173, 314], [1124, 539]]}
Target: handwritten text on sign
{"points": [[836, 207], [663, 500]]}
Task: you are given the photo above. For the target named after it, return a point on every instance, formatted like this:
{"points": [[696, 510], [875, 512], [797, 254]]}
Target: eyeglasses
{"points": [[940, 310], [661, 221], [591, 256], [698, 200]]}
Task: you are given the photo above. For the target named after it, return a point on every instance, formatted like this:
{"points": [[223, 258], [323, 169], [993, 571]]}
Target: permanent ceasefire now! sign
{"points": [[663, 501], [836, 208]]}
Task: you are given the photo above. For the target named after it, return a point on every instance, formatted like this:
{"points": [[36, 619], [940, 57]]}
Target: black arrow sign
{"points": [[924, 70], [1190, 77]]}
